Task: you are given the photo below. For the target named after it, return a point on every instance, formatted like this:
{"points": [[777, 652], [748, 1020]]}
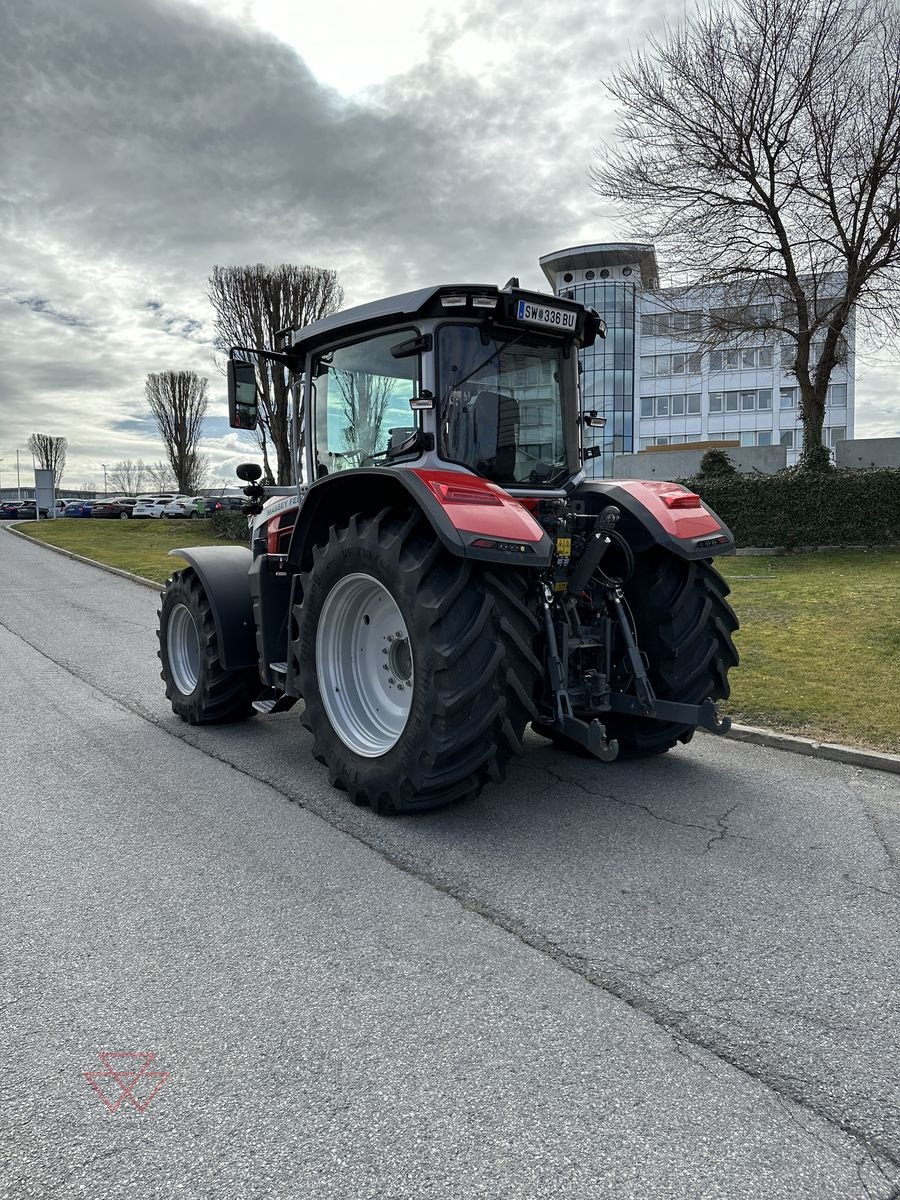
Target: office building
{"points": [[659, 381]]}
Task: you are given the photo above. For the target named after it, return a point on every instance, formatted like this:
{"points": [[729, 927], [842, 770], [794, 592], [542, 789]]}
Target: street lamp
{"points": [[103, 465]]}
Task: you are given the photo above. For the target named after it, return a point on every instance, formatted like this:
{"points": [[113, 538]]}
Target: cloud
{"points": [[153, 139]]}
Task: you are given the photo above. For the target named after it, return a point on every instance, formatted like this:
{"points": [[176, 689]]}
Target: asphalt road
{"points": [[676, 978]]}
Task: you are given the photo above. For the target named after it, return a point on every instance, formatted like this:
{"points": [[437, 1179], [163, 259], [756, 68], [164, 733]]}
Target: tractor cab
{"points": [[472, 378]]}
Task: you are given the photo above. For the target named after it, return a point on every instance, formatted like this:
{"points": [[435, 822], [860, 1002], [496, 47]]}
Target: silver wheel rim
{"points": [[123, 516], [364, 665], [183, 645]]}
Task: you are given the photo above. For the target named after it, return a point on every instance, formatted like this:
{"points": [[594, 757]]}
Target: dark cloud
{"points": [[145, 141]]}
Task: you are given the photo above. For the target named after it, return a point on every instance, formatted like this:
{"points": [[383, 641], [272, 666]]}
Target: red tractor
{"points": [[443, 575]]}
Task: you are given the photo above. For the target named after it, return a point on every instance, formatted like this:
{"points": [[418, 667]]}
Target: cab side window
{"points": [[361, 395]]}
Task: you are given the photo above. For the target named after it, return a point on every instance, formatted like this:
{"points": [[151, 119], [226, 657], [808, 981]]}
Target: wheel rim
{"points": [[364, 665], [123, 516], [183, 645]]}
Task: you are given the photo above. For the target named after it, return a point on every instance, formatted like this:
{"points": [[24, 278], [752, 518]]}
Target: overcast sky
{"points": [[402, 143]]}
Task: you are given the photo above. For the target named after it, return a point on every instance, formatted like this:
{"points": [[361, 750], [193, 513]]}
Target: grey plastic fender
{"points": [[223, 571]]}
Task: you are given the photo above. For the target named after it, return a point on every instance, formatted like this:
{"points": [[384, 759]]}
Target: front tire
{"points": [[199, 689], [461, 647]]}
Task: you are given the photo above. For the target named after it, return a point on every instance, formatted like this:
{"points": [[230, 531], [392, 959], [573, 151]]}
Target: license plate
{"points": [[546, 314]]}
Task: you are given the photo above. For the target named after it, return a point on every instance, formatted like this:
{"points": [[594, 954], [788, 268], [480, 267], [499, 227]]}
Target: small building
{"points": [[658, 378]]}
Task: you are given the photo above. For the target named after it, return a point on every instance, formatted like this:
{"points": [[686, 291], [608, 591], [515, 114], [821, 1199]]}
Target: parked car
{"points": [[152, 506], [78, 508], [118, 509], [60, 506], [22, 510], [186, 506], [225, 504]]}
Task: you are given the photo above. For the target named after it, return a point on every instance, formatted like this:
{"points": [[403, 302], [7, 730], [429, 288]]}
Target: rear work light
{"points": [[453, 301], [484, 301], [681, 500], [457, 493]]}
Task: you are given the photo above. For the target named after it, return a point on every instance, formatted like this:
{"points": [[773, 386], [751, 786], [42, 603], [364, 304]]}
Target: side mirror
{"points": [[243, 398], [249, 472]]}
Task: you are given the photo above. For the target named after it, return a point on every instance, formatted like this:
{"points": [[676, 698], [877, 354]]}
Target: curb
{"points": [[92, 562], [876, 760]]}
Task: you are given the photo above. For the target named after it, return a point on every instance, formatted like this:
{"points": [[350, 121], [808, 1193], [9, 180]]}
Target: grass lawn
{"points": [[140, 546], [819, 644], [819, 638]]}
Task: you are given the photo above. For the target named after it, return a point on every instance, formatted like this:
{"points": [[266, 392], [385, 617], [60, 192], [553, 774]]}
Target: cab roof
{"points": [[393, 310]]}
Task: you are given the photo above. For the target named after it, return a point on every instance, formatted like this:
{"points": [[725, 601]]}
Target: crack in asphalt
{"points": [[667, 1021]]}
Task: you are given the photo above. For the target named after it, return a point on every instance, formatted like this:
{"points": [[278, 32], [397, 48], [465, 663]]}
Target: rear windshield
{"points": [[502, 405]]}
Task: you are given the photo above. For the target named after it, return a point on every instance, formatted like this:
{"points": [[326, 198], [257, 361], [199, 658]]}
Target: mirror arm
{"points": [[291, 362]]}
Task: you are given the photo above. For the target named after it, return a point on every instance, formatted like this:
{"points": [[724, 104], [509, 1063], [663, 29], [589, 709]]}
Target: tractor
{"points": [[443, 574]]}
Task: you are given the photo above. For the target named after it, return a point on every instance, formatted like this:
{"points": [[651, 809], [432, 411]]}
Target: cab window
{"points": [[361, 396]]}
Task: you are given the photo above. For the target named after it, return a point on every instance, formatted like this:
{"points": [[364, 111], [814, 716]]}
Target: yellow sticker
{"points": [[560, 587], [564, 546]]}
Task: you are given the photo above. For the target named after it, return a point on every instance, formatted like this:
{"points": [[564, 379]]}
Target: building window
{"points": [[788, 397], [567, 278], [646, 443], [671, 324], [837, 395], [662, 406], [748, 358], [787, 439], [837, 433], [764, 437], [626, 270], [693, 402], [715, 402], [647, 406]]}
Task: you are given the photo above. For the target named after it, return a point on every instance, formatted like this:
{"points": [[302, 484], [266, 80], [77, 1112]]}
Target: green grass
{"points": [[819, 637], [819, 644], [138, 546]]}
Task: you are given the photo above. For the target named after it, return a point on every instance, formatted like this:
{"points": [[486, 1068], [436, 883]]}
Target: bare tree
{"points": [[159, 477], [178, 401], [49, 453], [127, 476], [252, 304], [759, 145], [365, 399]]}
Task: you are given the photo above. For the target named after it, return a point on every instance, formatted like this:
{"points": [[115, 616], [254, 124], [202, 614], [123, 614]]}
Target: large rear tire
{"points": [[684, 626], [418, 715], [199, 689]]}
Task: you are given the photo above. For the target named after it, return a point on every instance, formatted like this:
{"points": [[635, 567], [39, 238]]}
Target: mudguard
{"points": [[471, 516], [664, 514], [224, 571]]}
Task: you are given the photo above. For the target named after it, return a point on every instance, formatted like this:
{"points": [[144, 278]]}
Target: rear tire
{"points": [[465, 652], [684, 626], [199, 689]]}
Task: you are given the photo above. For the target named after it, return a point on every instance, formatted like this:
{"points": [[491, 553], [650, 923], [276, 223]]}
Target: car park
{"points": [[186, 507], [78, 508], [22, 510], [225, 504], [118, 509], [152, 506]]}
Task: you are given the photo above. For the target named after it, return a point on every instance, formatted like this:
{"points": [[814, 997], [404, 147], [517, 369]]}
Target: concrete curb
{"points": [[92, 562], [876, 760]]}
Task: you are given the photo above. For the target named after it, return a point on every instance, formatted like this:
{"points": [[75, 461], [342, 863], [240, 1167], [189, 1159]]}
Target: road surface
{"points": [[676, 978]]}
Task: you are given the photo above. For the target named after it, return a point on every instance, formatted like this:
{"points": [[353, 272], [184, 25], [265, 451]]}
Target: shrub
{"points": [[807, 508], [232, 526], [716, 464]]}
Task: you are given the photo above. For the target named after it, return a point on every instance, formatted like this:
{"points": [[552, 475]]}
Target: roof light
{"points": [[453, 301], [484, 301]]}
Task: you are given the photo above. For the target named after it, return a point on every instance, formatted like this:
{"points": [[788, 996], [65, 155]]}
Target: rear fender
{"points": [[472, 517], [224, 571], [649, 518]]}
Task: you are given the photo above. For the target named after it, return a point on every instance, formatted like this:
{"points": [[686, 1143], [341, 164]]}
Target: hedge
{"points": [[806, 508], [232, 526]]}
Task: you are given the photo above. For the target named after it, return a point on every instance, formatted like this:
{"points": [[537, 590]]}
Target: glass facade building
{"points": [[658, 379]]}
